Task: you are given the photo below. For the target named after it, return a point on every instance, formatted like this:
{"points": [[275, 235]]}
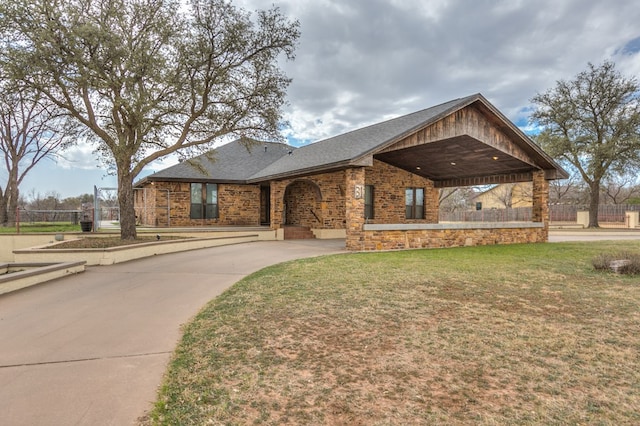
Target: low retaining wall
{"points": [[110, 256], [413, 236], [12, 242], [35, 273]]}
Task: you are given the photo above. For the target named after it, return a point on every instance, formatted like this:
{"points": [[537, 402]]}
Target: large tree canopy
{"points": [[593, 123], [148, 78]]}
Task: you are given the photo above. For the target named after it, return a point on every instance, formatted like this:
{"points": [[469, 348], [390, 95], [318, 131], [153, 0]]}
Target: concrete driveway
{"points": [[91, 349]]}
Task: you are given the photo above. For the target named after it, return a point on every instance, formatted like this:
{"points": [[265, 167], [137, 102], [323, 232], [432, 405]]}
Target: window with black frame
{"points": [[414, 203], [204, 201]]}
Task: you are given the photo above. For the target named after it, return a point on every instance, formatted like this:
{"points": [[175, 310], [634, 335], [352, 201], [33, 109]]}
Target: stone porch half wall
{"points": [[397, 237]]}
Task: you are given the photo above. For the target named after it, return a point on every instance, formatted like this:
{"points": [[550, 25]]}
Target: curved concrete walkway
{"points": [[91, 349]]}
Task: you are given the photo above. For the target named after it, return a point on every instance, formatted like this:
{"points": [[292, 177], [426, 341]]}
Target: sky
{"points": [[359, 62]]}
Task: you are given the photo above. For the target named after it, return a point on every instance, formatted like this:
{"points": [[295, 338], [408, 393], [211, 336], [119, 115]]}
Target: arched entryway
{"points": [[303, 205]]}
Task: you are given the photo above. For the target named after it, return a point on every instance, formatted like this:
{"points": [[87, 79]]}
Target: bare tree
{"points": [[504, 194], [455, 199], [48, 201], [567, 191], [620, 189], [31, 129]]}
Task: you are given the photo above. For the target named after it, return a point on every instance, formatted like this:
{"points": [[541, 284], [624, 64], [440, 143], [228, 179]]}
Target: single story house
{"points": [[377, 187]]}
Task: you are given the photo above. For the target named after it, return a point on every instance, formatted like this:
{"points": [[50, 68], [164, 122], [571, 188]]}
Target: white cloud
{"points": [[364, 61], [374, 59], [80, 156]]}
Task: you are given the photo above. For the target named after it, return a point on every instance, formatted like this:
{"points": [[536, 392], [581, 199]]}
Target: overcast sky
{"points": [[363, 61]]}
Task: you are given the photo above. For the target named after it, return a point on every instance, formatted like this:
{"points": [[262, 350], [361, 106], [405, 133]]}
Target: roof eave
{"points": [[141, 182], [526, 140], [150, 179], [324, 168]]}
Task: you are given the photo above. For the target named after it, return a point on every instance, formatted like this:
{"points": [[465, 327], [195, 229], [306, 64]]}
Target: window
{"points": [[204, 201], [414, 203], [196, 201], [368, 202], [211, 211]]}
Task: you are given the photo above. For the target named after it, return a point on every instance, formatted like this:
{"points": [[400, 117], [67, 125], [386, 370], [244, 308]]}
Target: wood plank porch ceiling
{"points": [[459, 161]]}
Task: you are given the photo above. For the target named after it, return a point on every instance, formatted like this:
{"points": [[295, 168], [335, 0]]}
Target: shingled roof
{"points": [[234, 162], [265, 161], [352, 148]]}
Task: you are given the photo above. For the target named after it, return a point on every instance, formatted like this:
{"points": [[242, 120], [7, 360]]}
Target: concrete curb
{"points": [[35, 273]]}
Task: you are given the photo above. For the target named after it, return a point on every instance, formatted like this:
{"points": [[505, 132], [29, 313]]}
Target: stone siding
{"points": [[354, 208], [238, 205], [540, 189], [337, 202], [389, 185], [322, 193], [442, 238], [303, 204]]}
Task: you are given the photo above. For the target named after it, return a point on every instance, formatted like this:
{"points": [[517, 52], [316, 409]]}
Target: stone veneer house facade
{"points": [[376, 187]]}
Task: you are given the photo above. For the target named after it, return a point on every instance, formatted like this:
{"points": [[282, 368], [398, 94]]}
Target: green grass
{"points": [[519, 335], [26, 228]]}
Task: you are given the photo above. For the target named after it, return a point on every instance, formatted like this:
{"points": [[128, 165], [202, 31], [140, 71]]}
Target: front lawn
{"points": [[519, 335]]}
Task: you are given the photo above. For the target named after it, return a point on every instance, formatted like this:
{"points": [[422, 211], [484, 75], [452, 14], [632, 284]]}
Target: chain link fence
{"points": [[50, 216]]}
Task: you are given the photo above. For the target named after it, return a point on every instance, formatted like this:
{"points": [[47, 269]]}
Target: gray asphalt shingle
{"points": [[232, 162], [355, 144]]}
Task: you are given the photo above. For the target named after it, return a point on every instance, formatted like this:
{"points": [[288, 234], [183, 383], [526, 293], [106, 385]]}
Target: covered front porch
{"points": [[388, 199]]}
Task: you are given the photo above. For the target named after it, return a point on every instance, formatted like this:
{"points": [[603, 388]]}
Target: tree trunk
{"points": [[3, 209], [11, 195], [125, 199], [594, 202]]}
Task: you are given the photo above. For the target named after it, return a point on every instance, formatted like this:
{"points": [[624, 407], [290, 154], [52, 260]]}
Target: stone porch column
{"points": [[431, 203], [354, 209], [541, 201], [277, 203]]}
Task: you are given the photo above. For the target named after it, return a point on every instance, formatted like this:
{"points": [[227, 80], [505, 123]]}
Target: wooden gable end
{"points": [[470, 146], [468, 122]]}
